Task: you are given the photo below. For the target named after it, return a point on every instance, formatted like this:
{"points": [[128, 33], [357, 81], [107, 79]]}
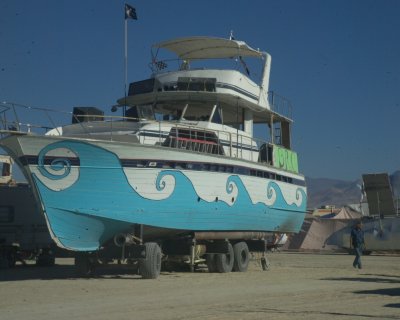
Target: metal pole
{"points": [[237, 128], [126, 63], [192, 255]]}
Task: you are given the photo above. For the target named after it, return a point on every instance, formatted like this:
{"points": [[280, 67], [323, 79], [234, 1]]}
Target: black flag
{"points": [[130, 12]]}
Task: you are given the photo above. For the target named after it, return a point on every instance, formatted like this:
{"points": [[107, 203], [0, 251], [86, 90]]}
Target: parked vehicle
{"points": [[180, 174], [23, 230]]}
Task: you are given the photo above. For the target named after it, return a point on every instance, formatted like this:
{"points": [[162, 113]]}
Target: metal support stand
{"points": [[138, 232], [265, 264], [192, 255]]}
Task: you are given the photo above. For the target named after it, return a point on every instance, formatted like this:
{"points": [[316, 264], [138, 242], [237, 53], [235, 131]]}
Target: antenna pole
{"points": [[126, 63]]}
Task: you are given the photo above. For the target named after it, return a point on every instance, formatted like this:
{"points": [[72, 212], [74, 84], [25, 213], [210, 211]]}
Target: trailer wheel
{"points": [[84, 266], [224, 262], [242, 257], [211, 264], [150, 267], [45, 260]]}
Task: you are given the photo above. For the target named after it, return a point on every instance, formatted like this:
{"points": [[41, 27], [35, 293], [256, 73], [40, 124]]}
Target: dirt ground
{"points": [[297, 286]]}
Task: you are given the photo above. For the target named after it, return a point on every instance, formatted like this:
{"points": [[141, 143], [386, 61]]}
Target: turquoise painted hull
{"points": [[99, 201]]}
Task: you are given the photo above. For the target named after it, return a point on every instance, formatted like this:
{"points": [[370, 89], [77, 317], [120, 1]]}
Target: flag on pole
{"points": [[160, 65], [130, 12]]}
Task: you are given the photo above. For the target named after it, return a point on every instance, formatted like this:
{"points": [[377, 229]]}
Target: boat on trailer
{"points": [[182, 163]]}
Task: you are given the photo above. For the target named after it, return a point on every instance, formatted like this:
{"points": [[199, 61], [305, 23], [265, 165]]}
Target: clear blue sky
{"points": [[337, 61]]}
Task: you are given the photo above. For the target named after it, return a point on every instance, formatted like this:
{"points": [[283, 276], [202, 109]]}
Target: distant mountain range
{"points": [[323, 191]]}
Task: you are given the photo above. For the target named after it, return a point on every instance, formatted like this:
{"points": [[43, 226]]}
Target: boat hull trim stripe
{"points": [[181, 165]]}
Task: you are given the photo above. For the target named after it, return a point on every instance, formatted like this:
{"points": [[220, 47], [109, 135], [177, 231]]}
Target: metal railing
{"points": [[280, 104], [27, 119], [16, 117], [172, 134]]}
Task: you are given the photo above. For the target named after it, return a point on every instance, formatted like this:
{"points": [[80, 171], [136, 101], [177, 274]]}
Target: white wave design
{"points": [[299, 197], [210, 187], [60, 184], [260, 191], [59, 175], [147, 184], [292, 194]]}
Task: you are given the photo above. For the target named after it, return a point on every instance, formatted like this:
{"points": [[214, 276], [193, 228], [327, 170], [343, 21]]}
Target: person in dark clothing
{"points": [[357, 242]]}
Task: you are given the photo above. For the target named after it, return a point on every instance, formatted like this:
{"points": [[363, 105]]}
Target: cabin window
{"points": [[132, 113], [217, 116], [213, 167], [5, 169], [222, 168], [197, 112], [265, 153], [146, 112], [140, 112], [241, 170], [140, 87], [197, 84], [180, 165], [170, 87], [193, 140]]}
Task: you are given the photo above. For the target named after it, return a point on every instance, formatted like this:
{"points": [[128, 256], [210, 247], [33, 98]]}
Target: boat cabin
{"points": [[225, 104], [202, 109]]}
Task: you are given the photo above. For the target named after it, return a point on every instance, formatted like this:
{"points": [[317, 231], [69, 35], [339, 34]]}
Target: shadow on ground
{"points": [[300, 313], [394, 292], [390, 279], [68, 272], [392, 305], [376, 279]]}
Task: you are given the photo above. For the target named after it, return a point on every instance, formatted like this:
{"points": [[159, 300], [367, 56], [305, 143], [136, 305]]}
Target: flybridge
{"points": [[230, 86], [224, 96]]}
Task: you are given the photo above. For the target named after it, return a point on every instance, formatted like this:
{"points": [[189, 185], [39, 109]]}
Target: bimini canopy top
{"points": [[208, 48]]}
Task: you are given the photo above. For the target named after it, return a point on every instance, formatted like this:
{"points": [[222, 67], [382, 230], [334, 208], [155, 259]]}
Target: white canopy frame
{"points": [[194, 48]]}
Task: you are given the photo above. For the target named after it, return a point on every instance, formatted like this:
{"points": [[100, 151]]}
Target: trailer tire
{"points": [[84, 266], [224, 262], [211, 263], [242, 256], [45, 260], [150, 267]]}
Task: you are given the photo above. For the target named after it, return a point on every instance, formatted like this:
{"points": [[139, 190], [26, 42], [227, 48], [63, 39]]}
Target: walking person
{"points": [[357, 242]]}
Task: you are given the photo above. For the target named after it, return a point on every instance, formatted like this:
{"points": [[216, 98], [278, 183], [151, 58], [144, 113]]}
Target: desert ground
{"points": [[297, 286]]}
